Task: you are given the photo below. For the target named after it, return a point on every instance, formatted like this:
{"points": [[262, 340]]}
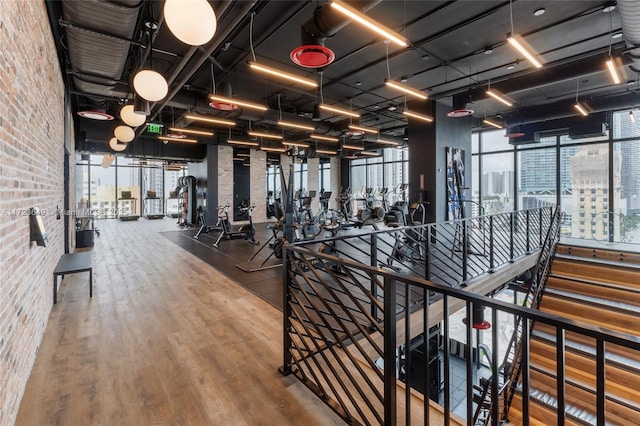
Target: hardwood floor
{"points": [[166, 339]]}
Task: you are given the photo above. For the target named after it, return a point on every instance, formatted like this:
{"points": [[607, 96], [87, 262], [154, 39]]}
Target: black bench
{"points": [[71, 264]]}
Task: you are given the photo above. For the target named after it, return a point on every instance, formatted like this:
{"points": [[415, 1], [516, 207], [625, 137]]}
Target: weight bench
{"points": [[72, 264]]}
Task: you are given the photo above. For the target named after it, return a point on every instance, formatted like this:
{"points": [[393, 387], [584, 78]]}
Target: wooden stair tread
{"points": [[589, 314], [598, 253], [598, 289], [570, 336], [596, 302], [588, 349], [582, 372], [539, 414], [585, 269]]}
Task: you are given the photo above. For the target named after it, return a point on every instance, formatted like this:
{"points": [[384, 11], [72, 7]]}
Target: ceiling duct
{"points": [[630, 17], [98, 41], [324, 23], [565, 109]]}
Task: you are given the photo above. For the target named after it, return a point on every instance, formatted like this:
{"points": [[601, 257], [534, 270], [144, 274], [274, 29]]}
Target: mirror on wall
{"points": [[273, 183], [241, 183]]}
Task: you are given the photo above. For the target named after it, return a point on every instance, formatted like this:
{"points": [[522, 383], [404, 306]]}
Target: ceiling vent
{"points": [[462, 106], [591, 130]]}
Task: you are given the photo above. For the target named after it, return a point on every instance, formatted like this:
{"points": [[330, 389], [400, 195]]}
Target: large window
{"points": [[102, 188], [325, 175], [596, 181], [389, 170], [129, 194]]}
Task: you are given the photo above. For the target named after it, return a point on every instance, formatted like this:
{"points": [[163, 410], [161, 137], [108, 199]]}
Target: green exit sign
{"points": [[154, 128]]}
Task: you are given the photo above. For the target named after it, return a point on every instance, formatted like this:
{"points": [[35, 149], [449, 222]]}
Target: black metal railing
{"points": [[350, 326], [449, 253]]}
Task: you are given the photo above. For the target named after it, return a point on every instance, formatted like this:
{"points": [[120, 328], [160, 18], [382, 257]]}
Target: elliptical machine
{"points": [[245, 232]]}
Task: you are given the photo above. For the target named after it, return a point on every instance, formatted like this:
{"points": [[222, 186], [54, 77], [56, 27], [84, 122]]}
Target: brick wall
{"points": [[258, 175], [225, 176], [31, 174]]}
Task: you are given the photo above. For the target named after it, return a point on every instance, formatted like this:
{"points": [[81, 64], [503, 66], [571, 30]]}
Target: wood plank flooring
{"points": [[166, 339]]}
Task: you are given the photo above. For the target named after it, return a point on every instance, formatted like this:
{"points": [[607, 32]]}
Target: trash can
{"points": [[84, 238]]}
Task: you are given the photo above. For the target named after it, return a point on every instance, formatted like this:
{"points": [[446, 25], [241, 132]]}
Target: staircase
{"points": [[598, 287]]}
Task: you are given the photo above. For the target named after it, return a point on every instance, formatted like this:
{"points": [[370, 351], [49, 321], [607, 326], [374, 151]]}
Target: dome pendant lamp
{"points": [[148, 83], [130, 117], [191, 21]]}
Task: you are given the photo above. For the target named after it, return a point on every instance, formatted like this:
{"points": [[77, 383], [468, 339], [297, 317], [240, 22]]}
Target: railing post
{"points": [[286, 313], [491, 247], [540, 232], [528, 230], [389, 355], [560, 375], [512, 218], [524, 339], [600, 382], [373, 287], [465, 250], [427, 250]]}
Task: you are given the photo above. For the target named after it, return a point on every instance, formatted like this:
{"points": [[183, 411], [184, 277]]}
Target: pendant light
{"points": [[148, 83], [611, 65], [191, 21], [130, 118], [400, 86], [140, 105], [581, 109], [519, 44], [124, 134], [117, 146]]}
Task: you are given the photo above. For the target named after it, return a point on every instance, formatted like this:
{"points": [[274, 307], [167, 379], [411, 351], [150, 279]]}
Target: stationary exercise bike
{"points": [[245, 232]]}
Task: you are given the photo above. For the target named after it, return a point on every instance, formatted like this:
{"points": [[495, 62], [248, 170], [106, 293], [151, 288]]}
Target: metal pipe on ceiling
{"points": [[630, 17]]}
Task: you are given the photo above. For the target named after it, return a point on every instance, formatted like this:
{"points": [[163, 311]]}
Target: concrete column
{"points": [[258, 191], [427, 155]]}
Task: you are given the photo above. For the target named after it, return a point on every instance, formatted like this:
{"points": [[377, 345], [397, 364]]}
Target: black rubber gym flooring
{"points": [[266, 283]]}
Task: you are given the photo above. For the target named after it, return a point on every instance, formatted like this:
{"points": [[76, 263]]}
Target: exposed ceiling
{"points": [[457, 49]]}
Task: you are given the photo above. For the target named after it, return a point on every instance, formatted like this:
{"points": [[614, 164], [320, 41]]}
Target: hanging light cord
{"points": [[577, 88], [511, 16], [253, 54], [490, 71], [321, 95], [213, 80], [388, 70], [279, 106], [610, 31]]}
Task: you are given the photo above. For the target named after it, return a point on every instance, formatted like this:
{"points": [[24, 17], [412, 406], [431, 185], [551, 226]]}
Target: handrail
{"points": [[345, 318]]}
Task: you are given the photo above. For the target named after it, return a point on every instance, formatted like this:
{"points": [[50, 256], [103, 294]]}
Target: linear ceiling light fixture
{"points": [[273, 149], [611, 65], [519, 44], [386, 142], [170, 139], [265, 135], [578, 105], [245, 104], [406, 89], [339, 110], [370, 23], [281, 74], [211, 120], [191, 131], [324, 138], [632, 117], [492, 123], [417, 116], [298, 144], [353, 147], [499, 96], [326, 151], [237, 142], [363, 129], [370, 153], [295, 125]]}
